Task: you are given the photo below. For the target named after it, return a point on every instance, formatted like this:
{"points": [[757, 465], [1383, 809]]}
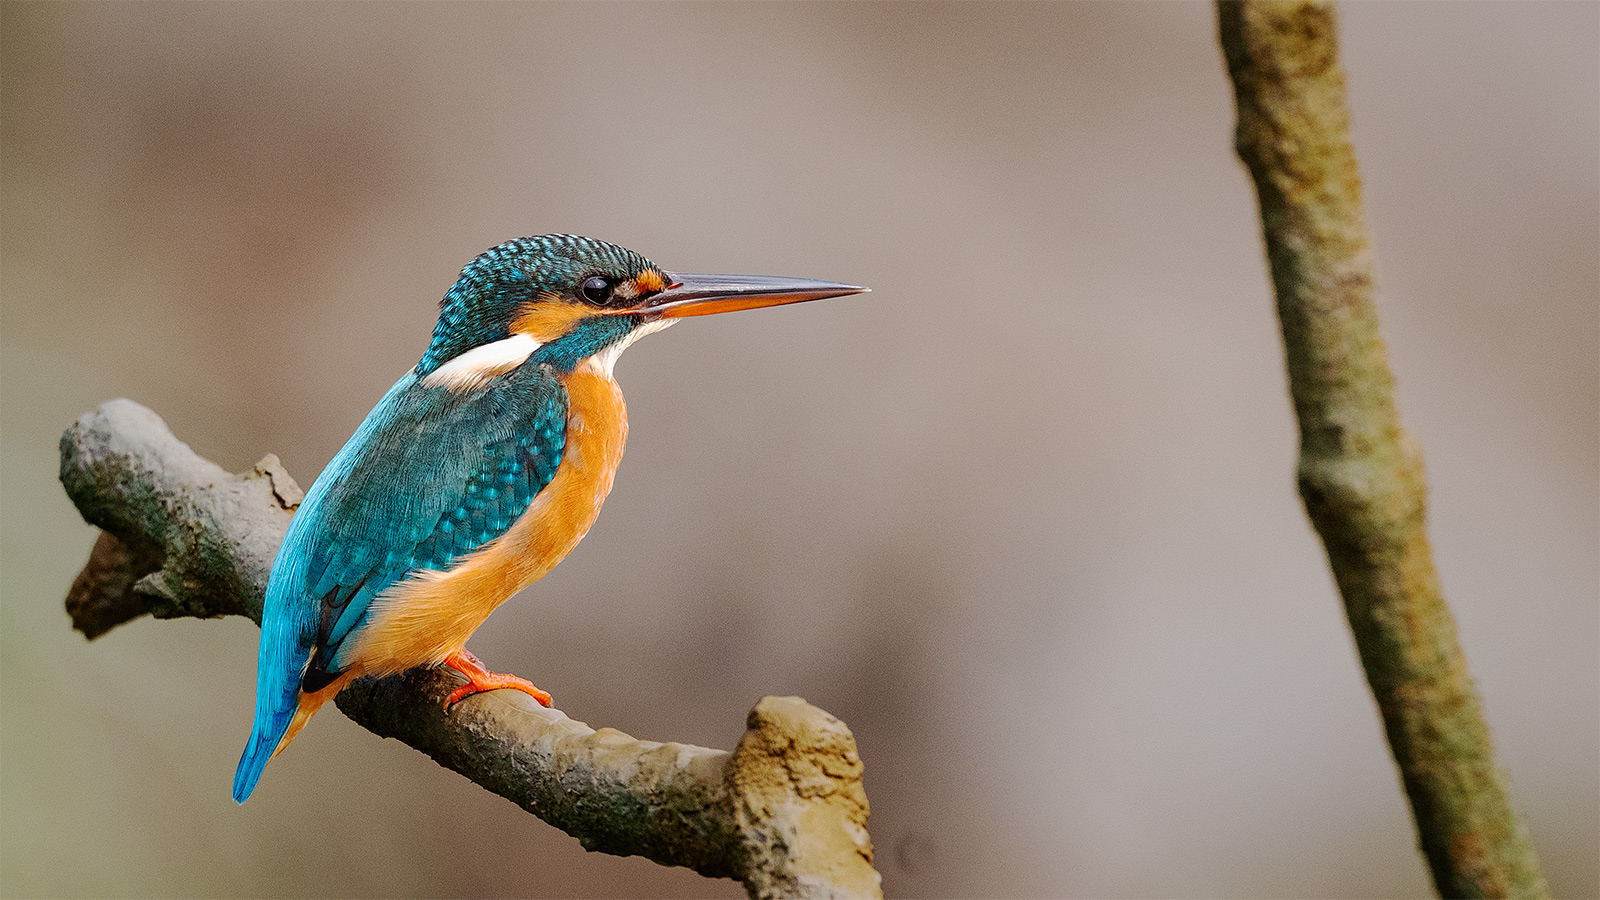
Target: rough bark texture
{"points": [[1360, 474], [785, 812]]}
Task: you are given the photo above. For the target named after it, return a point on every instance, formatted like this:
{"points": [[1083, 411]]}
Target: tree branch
{"points": [[1360, 473], [785, 812]]}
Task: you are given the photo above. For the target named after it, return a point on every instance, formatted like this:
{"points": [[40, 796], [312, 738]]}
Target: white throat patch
{"points": [[604, 361]]}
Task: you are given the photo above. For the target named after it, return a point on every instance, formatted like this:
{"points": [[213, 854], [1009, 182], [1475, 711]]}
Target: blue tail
{"points": [[285, 648], [277, 698], [263, 741]]}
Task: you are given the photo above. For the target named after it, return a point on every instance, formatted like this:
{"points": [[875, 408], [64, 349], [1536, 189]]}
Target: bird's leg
{"points": [[481, 679]]}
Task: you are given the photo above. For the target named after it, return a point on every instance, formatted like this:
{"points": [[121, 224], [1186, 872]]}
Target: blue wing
{"points": [[444, 474], [430, 476]]}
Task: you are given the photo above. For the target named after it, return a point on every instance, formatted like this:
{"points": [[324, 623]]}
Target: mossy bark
{"points": [[1360, 473]]}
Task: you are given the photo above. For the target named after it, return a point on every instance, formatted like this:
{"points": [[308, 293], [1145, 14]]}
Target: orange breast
{"points": [[423, 619]]}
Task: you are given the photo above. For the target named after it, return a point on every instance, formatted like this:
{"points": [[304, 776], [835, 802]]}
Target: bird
{"points": [[475, 474]]}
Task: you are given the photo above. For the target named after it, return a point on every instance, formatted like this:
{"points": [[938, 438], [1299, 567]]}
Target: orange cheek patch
{"points": [[650, 281], [546, 320]]}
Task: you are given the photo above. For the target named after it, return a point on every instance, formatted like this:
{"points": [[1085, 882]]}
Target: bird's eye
{"points": [[597, 290]]}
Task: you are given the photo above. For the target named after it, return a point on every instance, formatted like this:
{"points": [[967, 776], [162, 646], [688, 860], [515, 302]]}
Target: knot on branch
{"points": [[800, 805]]}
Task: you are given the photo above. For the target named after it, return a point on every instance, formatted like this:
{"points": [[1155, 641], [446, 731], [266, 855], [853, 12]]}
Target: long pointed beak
{"points": [[702, 295]]}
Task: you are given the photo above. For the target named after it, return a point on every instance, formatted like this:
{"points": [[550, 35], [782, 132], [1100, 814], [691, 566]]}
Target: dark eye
{"points": [[596, 290]]}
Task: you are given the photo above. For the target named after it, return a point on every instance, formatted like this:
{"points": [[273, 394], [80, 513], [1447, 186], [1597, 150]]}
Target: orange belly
{"points": [[426, 617]]}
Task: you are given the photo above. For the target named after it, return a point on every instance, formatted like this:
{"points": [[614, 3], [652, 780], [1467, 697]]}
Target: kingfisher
{"points": [[478, 472]]}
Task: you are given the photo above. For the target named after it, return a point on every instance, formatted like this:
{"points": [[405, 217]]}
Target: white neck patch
{"points": [[474, 368]]}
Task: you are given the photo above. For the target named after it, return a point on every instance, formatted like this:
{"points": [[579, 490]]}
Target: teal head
{"points": [[576, 301]]}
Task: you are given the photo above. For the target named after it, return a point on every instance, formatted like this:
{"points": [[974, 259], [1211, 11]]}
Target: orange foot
{"points": [[481, 679]]}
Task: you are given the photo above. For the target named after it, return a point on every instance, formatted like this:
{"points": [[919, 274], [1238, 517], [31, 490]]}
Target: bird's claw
{"points": [[481, 679]]}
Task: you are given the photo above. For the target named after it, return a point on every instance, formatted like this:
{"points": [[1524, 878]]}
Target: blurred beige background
{"points": [[1024, 517]]}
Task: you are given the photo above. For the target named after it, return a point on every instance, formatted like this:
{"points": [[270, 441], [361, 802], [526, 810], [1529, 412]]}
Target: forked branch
{"points": [[785, 812]]}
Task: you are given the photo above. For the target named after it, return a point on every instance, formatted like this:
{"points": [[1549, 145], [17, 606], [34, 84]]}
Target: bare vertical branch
{"points": [[1360, 474]]}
